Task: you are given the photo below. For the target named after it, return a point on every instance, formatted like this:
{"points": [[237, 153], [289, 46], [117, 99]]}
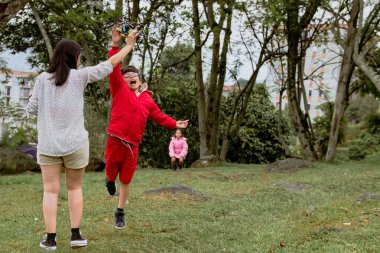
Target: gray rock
{"points": [[207, 161], [367, 196], [289, 164]]}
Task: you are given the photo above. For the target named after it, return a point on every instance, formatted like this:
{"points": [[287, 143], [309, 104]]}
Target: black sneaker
{"points": [[78, 241], [48, 244], [111, 187], [119, 219]]}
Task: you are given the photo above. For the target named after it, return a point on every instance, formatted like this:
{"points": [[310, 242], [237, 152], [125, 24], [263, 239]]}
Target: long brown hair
{"points": [[65, 57]]}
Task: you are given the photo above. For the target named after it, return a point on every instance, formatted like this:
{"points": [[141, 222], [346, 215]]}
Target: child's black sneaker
{"points": [[77, 241], [119, 219], [111, 187], [48, 244]]}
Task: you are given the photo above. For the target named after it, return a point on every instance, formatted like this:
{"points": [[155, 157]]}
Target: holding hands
{"points": [[130, 41], [116, 38]]}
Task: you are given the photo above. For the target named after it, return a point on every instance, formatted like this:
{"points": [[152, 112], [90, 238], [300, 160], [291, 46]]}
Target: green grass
{"points": [[244, 213]]}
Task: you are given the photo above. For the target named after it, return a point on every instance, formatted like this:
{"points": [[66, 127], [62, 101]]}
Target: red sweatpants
{"points": [[121, 158]]}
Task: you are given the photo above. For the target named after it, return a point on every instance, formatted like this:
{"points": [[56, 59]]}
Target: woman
{"points": [[57, 99]]}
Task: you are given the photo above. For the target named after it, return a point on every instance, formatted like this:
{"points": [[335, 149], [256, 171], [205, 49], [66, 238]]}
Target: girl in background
{"points": [[178, 150]]}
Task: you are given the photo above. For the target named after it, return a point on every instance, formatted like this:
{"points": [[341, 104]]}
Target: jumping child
{"points": [[132, 105]]}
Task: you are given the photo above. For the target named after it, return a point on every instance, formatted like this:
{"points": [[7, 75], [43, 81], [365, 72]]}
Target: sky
{"points": [[16, 61]]}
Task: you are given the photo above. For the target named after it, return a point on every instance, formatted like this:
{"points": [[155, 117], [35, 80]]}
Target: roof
{"points": [[19, 73]]}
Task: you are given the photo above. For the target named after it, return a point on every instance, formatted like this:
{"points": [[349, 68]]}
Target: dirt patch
{"points": [[223, 177], [293, 186], [176, 191]]}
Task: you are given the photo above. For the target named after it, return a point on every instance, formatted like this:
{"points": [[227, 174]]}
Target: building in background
{"points": [[321, 73], [15, 88], [227, 89]]}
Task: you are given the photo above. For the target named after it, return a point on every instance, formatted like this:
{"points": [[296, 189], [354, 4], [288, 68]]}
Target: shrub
{"points": [[14, 162], [357, 150], [257, 140], [372, 121], [367, 144], [179, 103]]}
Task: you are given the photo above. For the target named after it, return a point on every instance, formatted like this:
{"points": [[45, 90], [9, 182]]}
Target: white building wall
{"points": [[321, 66], [15, 89]]}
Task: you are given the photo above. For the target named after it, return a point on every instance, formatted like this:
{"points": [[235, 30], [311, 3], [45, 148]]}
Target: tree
{"points": [[295, 25], [365, 41], [266, 31], [209, 96], [355, 44], [9, 8]]}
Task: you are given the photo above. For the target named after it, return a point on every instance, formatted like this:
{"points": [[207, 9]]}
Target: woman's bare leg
{"points": [[51, 177], [74, 179]]}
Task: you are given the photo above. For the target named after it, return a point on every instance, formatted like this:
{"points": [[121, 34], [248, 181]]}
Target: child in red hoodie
{"points": [[132, 105]]}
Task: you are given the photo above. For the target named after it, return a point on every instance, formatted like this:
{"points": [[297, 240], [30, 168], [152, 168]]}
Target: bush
{"points": [[257, 140], [369, 141], [372, 121], [356, 150], [367, 144], [14, 162], [179, 103]]}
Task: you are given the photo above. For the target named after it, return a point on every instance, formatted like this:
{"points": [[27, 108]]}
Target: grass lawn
{"points": [[245, 212]]}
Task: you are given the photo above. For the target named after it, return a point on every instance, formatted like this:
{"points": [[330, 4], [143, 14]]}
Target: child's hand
{"points": [[132, 37], [182, 123], [116, 37]]}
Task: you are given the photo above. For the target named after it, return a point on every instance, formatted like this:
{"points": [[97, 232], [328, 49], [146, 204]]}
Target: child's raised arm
{"points": [[117, 58]]}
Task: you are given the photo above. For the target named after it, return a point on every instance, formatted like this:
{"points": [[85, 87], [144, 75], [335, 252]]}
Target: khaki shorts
{"points": [[77, 160]]}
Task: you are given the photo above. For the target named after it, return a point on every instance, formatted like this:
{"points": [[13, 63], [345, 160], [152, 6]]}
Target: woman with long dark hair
{"points": [[57, 100]]}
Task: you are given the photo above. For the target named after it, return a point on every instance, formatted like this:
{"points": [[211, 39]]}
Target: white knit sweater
{"points": [[59, 109]]}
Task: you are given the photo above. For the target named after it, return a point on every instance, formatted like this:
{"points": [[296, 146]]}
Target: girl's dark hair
{"points": [[65, 57], [179, 129]]}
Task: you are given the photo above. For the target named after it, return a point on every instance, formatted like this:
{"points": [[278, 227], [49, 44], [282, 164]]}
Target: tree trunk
{"points": [[42, 30], [10, 8], [293, 37], [209, 104], [368, 71], [346, 71], [280, 124], [221, 71], [199, 80], [133, 19], [119, 8]]}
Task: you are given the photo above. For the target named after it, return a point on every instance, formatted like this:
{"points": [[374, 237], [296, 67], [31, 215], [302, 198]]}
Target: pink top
{"points": [[178, 147]]}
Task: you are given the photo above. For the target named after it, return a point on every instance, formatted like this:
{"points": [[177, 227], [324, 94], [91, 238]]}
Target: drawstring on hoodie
{"points": [[129, 146]]}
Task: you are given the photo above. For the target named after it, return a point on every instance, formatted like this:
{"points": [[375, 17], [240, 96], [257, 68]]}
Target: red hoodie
{"points": [[130, 111]]}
